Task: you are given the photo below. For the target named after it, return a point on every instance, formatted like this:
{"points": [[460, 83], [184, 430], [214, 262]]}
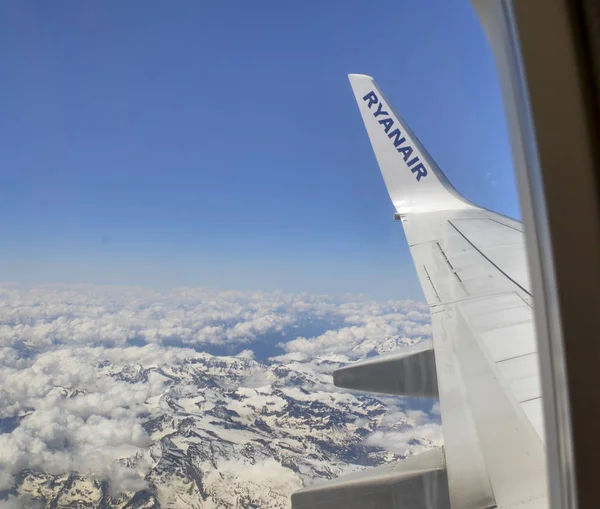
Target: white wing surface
{"points": [[472, 267]]}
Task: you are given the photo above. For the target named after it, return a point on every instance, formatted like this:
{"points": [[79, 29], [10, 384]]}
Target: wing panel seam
{"points": [[450, 265], [504, 224], [431, 282], [516, 357], [476, 297], [530, 399], [482, 254]]}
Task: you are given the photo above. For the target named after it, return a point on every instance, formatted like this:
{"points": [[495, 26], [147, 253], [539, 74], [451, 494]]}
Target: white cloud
{"points": [[246, 354], [413, 440], [371, 326], [72, 417], [43, 317]]}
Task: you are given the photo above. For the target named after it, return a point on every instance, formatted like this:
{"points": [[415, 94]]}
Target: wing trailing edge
{"points": [[408, 372], [418, 482]]}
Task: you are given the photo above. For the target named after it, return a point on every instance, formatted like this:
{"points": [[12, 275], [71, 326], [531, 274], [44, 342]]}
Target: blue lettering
{"points": [[398, 141], [380, 111], [387, 122], [372, 98], [420, 170], [415, 166], [406, 151]]}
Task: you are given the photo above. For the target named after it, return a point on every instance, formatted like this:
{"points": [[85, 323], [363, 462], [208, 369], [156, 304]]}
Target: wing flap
{"points": [[418, 482], [409, 372]]}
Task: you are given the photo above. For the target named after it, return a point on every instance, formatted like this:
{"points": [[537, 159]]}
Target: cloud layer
{"points": [[42, 318]]}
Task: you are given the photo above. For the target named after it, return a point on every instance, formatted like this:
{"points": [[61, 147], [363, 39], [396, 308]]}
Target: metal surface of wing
{"points": [[419, 482], [409, 372]]}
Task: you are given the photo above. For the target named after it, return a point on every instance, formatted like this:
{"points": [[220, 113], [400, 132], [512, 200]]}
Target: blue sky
{"points": [[219, 144]]}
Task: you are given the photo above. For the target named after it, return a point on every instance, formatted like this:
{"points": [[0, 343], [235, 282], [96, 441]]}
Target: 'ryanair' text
{"points": [[384, 118]]}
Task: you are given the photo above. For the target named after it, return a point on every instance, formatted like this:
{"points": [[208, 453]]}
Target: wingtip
{"points": [[359, 76]]}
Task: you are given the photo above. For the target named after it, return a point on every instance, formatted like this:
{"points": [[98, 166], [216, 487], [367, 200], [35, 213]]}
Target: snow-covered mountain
{"points": [[154, 426], [231, 432]]}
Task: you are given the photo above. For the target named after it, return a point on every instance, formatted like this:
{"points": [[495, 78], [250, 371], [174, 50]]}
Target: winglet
{"points": [[414, 181]]}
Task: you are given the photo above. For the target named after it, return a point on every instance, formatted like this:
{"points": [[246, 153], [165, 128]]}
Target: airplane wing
{"points": [[482, 362]]}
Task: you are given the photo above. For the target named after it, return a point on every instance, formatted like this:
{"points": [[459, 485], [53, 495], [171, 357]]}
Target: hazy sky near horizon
{"points": [[219, 144]]}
